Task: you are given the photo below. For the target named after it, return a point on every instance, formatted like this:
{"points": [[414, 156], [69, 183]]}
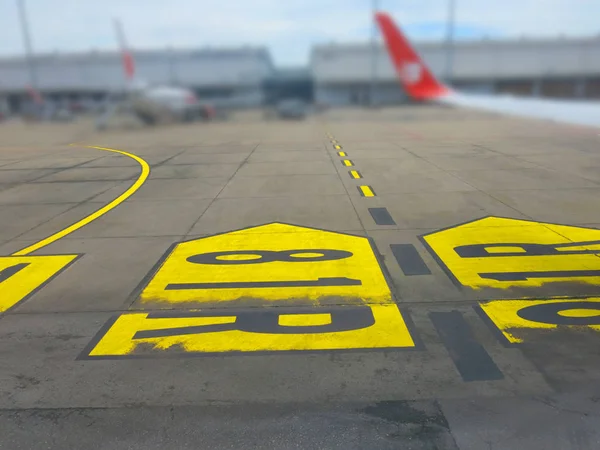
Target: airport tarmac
{"points": [[414, 278]]}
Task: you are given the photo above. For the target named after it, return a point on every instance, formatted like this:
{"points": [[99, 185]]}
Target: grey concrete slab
{"points": [[23, 175], [73, 213], [390, 182], [434, 209], [115, 191], [378, 166], [148, 218], [116, 160], [581, 164], [330, 212], [289, 156], [51, 163], [223, 147], [16, 220], [59, 192], [478, 162], [181, 171], [291, 145], [8, 161], [574, 206], [426, 149], [192, 188], [387, 425], [283, 186], [375, 153], [209, 158], [102, 279], [534, 178], [548, 423], [287, 168], [92, 174]]}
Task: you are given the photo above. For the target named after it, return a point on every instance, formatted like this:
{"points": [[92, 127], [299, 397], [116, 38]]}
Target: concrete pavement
{"points": [[403, 278]]}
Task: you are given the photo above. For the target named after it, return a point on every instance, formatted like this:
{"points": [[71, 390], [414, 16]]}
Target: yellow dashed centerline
{"points": [[355, 174], [342, 154], [347, 163], [337, 147], [366, 191]]}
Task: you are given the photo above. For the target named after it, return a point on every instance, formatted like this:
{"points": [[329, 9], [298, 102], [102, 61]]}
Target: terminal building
{"points": [[337, 75], [345, 74], [230, 76]]}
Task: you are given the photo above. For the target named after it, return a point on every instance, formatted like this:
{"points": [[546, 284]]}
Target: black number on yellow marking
{"points": [[481, 250], [340, 281], [265, 256], [268, 322], [8, 272], [226, 331], [503, 253], [270, 264], [512, 317], [524, 276], [550, 313]]}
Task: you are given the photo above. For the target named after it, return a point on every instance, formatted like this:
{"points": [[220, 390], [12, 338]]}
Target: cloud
{"points": [[289, 27]]}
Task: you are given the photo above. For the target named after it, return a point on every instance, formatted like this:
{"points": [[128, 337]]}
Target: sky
{"points": [[288, 27]]}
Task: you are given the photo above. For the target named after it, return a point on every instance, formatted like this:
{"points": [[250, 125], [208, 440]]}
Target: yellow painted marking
{"points": [[20, 276], [347, 163], [502, 250], [100, 212], [337, 147], [342, 154], [139, 334], [295, 264], [298, 320], [507, 315], [366, 191], [579, 313], [496, 252], [354, 174]]}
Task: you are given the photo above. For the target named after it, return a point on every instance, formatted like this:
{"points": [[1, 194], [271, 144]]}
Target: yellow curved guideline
{"points": [[100, 212]]}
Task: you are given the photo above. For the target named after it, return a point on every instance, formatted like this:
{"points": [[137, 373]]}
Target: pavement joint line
{"points": [[476, 188], [145, 172], [77, 204], [242, 164]]}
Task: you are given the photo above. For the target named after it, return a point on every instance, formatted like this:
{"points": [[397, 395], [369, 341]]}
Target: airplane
{"points": [[153, 104], [421, 85]]}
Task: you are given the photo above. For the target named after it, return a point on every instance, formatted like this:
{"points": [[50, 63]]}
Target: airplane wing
{"points": [[420, 84]]}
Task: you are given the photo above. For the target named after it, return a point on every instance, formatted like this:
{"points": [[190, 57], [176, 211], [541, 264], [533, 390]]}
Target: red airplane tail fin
{"points": [[414, 75], [126, 56]]}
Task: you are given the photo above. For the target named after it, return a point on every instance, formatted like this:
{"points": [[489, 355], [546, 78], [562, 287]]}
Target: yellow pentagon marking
{"points": [[270, 263], [504, 253], [512, 316], [20, 276], [348, 327]]}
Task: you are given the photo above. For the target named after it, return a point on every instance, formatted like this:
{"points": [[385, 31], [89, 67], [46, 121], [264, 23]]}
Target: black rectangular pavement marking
{"points": [[470, 358], [381, 216], [409, 260]]}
